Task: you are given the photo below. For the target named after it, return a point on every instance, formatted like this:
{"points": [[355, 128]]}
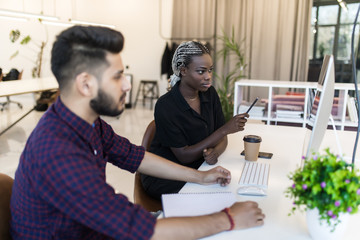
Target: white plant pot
{"points": [[322, 231]]}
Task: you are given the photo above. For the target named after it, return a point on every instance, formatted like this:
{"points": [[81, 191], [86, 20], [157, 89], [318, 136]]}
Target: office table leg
{"points": [[27, 113]]}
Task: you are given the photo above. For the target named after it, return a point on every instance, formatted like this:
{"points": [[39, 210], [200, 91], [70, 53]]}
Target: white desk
{"points": [[33, 85], [23, 86], [286, 144]]}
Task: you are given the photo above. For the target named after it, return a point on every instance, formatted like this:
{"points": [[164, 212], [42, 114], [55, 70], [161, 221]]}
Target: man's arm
{"points": [[157, 166], [244, 214]]}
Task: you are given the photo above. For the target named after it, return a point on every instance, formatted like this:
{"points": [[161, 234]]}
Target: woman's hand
{"points": [[218, 175], [236, 123], [210, 155]]}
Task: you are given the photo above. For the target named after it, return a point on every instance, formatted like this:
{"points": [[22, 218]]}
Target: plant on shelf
{"points": [[328, 183], [225, 87]]}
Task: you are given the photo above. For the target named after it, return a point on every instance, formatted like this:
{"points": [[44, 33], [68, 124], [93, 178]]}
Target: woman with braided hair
{"points": [[190, 124]]}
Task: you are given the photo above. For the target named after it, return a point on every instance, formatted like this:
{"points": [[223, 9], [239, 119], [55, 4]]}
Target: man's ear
{"points": [[84, 84]]}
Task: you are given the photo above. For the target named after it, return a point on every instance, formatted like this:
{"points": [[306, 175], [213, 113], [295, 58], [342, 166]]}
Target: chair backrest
{"points": [[6, 183], [140, 196], [148, 135], [20, 75]]}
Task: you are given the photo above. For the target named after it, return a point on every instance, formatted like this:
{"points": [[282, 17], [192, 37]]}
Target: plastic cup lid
{"points": [[252, 138]]}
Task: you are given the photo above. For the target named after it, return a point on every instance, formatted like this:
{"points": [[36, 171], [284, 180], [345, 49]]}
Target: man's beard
{"points": [[103, 105]]}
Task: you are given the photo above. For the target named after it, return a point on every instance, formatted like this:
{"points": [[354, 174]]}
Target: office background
{"points": [[274, 35]]}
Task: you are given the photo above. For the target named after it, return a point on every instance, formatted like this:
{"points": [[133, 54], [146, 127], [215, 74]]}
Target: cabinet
{"points": [[267, 109]]}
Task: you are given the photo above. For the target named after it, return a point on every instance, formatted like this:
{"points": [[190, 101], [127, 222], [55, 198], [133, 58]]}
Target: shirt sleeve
{"points": [[119, 150], [71, 183]]}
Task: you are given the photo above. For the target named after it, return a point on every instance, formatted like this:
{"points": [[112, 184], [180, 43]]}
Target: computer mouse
{"points": [[251, 190]]}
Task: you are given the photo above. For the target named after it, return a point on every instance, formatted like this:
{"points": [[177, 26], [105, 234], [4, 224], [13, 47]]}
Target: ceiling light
{"points": [[20, 19], [343, 5], [62, 24], [23, 14], [91, 23]]}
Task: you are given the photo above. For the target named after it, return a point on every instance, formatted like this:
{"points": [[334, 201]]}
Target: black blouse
{"points": [[178, 125]]}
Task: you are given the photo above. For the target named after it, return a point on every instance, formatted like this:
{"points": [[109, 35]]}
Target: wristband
{"points": [[228, 214]]}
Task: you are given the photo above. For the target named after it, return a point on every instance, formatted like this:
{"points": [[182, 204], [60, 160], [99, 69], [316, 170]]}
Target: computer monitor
{"points": [[318, 117]]}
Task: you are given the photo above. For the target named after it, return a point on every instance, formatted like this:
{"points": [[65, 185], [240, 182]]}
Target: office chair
{"points": [[14, 74], [6, 183], [140, 196]]}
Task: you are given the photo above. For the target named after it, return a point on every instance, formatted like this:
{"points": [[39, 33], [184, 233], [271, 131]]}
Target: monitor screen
{"points": [[318, 117]]}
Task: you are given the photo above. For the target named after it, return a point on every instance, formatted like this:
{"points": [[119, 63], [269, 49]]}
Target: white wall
{"points": [[138, 20]]}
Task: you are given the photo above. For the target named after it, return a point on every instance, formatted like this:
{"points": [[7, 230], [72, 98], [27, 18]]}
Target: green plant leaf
{"points": [[14, 54], [14, 35], [25, 40]]}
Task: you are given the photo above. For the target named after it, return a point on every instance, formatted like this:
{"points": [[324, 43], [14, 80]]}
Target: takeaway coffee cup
{"points": [[251, 146]]}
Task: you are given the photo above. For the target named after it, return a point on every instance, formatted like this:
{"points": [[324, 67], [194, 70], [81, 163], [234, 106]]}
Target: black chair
{"points": [[149, 90], [14, 74]]}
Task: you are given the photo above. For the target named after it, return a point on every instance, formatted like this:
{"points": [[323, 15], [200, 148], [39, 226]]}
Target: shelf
{"points": [[298, 101]]}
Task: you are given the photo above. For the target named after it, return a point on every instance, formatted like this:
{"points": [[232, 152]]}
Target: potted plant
{"points": [[326, 184], [225, 87]]}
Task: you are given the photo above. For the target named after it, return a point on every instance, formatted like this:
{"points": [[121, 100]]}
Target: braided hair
{"points": [[183, 57]]}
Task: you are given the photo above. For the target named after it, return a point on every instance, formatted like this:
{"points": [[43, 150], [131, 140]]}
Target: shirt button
{"points": [[95, 152]]}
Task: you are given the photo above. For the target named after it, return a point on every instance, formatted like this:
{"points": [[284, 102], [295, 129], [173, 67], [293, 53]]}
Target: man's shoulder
{"points": [[49, 130]]}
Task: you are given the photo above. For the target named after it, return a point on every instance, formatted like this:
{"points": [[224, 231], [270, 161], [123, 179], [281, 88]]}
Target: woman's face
{"points": [[198, 74]]}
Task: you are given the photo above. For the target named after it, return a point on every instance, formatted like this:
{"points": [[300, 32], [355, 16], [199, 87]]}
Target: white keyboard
{"points": [[254, 179]]}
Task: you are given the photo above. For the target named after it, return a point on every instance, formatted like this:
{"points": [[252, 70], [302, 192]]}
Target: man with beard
{"points": [[60, 190]]}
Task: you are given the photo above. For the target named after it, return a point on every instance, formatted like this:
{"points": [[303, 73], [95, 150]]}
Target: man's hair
{"points": [[183, 57], [79, 48]]}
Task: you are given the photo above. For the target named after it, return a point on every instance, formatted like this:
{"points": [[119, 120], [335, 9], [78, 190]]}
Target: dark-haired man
{"points": [[60, 191]]}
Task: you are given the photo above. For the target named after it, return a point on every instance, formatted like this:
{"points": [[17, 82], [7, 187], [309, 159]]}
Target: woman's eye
{"points": [[200, 71]]}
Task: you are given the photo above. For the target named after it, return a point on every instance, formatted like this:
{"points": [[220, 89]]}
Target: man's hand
{"points": [[236, 123], [216, 175], [246, 215], [210, 155]]}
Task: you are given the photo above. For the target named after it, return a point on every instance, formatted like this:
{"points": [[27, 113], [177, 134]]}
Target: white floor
{"points": [[131, 124]]}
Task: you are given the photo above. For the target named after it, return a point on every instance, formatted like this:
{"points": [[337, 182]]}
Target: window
{"points": [[331, 29]]}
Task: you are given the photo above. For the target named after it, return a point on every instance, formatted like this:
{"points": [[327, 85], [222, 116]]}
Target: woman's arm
{"points": [[211, 155], [191, 153]]}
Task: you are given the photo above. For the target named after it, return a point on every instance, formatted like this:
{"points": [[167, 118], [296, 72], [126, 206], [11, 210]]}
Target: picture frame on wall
{"points": [[128, 104]]}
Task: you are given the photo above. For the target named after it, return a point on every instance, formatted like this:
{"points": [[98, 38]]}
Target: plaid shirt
{"points": [[60, 191]]}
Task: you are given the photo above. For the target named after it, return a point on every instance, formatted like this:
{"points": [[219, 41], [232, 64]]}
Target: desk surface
{"points": [[32, 85], [286, 143]]}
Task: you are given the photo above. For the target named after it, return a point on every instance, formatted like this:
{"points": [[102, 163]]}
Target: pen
{"points": [[257, 98]]}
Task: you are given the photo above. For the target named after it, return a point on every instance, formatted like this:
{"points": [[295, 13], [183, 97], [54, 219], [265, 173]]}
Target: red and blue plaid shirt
{"points": [[60, 191]]}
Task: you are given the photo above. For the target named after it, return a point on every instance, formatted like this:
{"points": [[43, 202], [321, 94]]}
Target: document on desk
{"points": [[195, 204]]}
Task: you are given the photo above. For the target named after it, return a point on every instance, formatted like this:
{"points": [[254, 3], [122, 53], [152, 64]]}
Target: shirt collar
{"points": [[80, 126], [180, 100]]}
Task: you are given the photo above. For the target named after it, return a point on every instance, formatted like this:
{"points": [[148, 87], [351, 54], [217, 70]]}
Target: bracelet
{"points": [[228, 214]]}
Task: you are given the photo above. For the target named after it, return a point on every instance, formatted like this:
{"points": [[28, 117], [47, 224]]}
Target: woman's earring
{"points": [[168, 85]]}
